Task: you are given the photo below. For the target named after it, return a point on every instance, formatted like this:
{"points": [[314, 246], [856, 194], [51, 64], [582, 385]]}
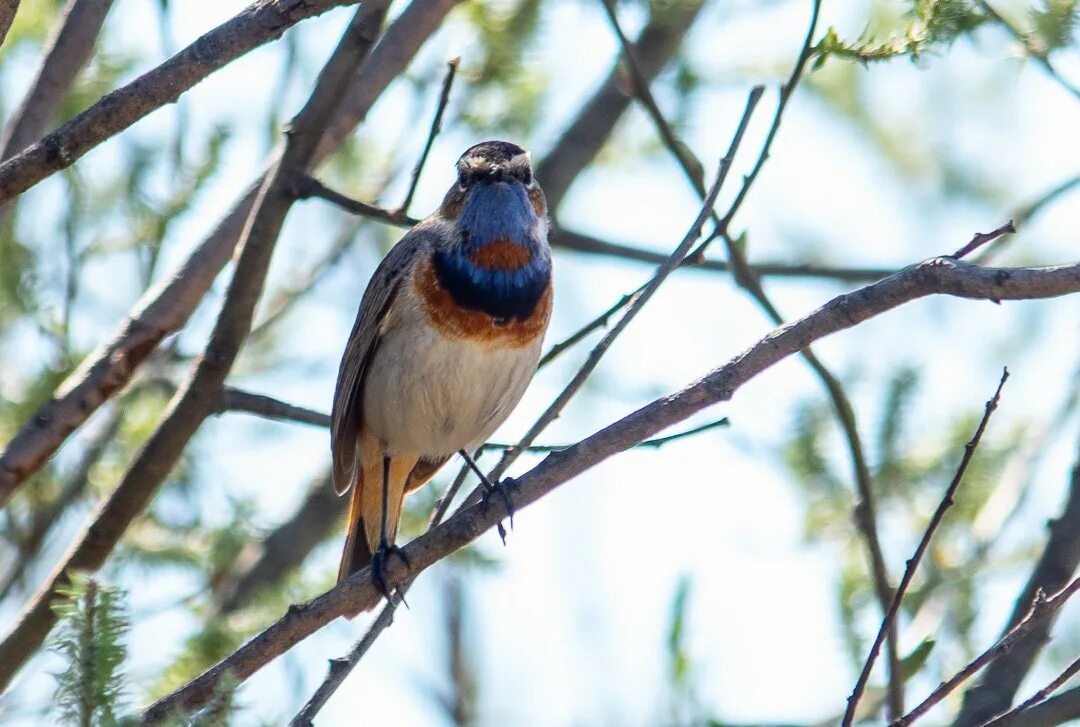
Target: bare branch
{"points": [[1038, 697], [1054, 711], [1041, 610], [436, 127], [196, 398], [257, 25], [233, 399], [67, 52], [578, 242], [942, 276], [920, 551], [984, 238], [166, 308]]}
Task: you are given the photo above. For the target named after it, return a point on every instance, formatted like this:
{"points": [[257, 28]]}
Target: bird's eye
{"points": [[526, 176], [465, 178]]}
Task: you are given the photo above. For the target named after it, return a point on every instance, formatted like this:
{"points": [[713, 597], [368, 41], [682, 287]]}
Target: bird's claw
{"points": [[379, 562], [502, 489]]}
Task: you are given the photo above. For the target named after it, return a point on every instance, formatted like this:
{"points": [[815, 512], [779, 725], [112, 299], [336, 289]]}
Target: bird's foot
{"points": [[380, 560], [502, 489]]}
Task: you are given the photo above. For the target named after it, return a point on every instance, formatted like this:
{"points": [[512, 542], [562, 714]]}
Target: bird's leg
{"points": [[381, 557], [490, 489]]}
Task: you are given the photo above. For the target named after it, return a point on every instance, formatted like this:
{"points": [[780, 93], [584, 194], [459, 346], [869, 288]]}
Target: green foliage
{"points": [[931, 25], [1054, 23], [503, 89], [91, 627]]}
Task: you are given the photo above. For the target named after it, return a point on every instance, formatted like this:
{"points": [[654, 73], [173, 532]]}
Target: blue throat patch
{"points": [[495, 212]]}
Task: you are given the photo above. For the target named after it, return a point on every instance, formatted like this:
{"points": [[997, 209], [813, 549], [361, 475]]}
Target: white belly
{"points": [[429, 395]]}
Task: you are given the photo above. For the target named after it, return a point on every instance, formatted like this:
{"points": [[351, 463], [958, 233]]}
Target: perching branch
{"points": [[920, 551], [936, 276], [196, 398]]}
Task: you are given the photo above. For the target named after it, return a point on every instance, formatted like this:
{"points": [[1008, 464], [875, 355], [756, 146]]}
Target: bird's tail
{"points": [[357, 553]]}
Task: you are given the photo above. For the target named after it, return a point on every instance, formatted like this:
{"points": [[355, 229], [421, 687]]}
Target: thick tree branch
{"points": [[258, 24], [166, 308], [196, 398], [7, 17], [937, 276], [920, 551], [67, 52]]}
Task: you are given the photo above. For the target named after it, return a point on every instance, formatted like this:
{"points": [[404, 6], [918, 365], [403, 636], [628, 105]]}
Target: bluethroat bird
{"points": [[445, 343]]}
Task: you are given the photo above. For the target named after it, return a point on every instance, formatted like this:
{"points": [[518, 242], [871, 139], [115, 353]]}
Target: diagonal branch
{"points": [[166, 308], [196, 398], [1038, 697], [260, 23], [941, 276], [68, 51], [920, 551], [1039, 612]]}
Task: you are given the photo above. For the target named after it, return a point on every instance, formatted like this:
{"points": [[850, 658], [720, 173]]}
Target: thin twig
{"points": [[304, 186], [1059, 559], [402, 212], [936, 276], [913, 564], [1041, 609], [233, 399], [984, 238], [1040, 696]]}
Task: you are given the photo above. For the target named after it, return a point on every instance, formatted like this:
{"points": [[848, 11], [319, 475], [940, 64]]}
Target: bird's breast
{"points": [[498, 293]]}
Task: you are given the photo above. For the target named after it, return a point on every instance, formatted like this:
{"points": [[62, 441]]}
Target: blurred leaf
{"points": [[911, 664]]}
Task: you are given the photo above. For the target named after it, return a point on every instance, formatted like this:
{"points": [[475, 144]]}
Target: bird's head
{"points": [[495, 194]]}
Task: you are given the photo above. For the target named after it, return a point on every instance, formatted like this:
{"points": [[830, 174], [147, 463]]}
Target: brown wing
{"points": [[347, 415]]}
